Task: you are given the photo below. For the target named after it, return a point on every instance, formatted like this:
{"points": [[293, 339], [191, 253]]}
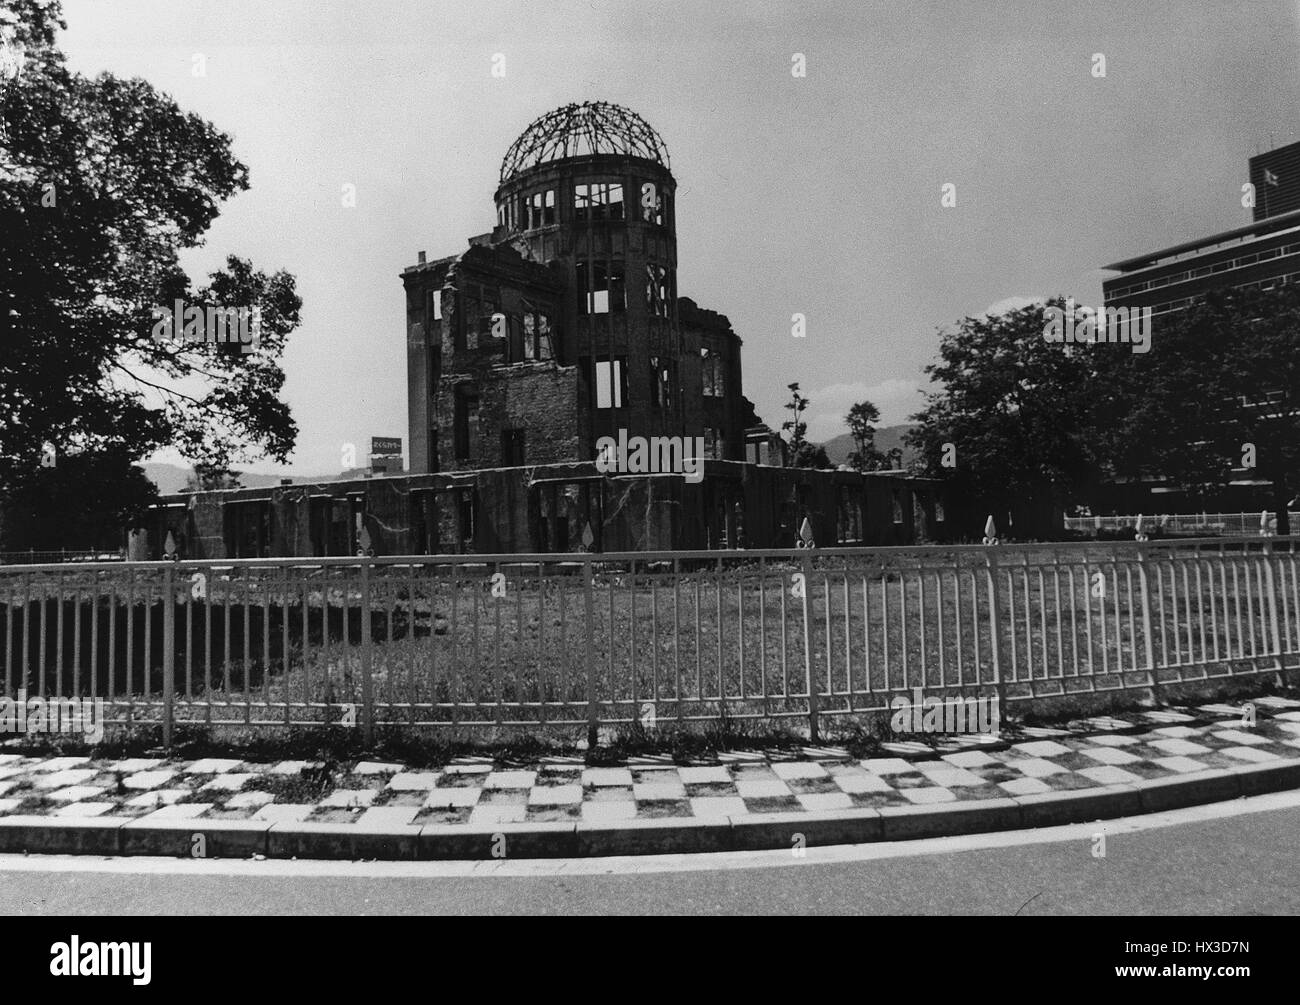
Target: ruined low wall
{"points": [[548, 508]]}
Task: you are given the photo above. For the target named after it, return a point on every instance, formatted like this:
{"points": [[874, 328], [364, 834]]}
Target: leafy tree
{"points": [[1014, 407], [102, 183], [1221, 375], [803, 454], [81, 501], [861, 420]]}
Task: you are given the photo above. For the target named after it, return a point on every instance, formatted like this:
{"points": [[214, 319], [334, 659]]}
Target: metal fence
{"points": [[1204, 524], [33, 556], [581, 641]]}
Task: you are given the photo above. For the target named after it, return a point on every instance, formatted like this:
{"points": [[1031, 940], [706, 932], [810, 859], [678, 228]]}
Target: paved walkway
{"points": [[1195, 751]]}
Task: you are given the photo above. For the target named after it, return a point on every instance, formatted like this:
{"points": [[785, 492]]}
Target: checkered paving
{"points": [[1089, 754]]}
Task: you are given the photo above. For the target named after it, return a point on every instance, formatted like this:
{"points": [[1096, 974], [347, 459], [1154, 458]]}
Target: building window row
{"points": [[592, 200], [1205, 270]]}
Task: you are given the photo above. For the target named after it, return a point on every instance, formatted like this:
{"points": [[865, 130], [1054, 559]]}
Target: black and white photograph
{"points": [[642, 457]]}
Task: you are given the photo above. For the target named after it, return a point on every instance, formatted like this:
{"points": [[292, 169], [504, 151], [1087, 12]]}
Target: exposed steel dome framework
{"points": [[577, 130]]}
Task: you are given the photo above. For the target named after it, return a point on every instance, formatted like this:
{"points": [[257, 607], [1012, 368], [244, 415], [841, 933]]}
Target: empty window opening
{"points": [[598, 201], [657, 290], [661, 380], [537, 334], [541, 209], [605, 292], [712, 373], [466, 418], [611, 383]]}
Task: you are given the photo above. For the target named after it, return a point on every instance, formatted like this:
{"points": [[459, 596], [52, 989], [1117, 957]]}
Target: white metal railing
{"points": [[1192, 523], [546, 641]]}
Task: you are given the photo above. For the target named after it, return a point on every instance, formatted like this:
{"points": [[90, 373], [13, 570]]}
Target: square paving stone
{"points": [[801, 770], [142, 780], [75, 793], [1042, 748], [718, 806], [888, 766], [863, 783], [212, 766], [284, 813], [387, 817], [926, 796], [1239, 736], [969, 759], [179, 811], [825, 801], [658, 791], [87, 809], [58, 763], [1024, 786], [64, 778], [555, 795], [1181, 765], [413, 781], [762, 789], [1251, 755], [1108, 774], [608, 811], [600, 777], [499, 813], [158, 797], [949, 777], [1109, 755]]}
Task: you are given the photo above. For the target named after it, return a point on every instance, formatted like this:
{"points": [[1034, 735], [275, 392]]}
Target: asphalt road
{"points": [[1229, 858]]}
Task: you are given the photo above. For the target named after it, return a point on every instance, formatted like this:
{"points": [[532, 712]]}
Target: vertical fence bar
{"points": [[806, 566], [995, 622], [169, 654], [1148, 642], [367, 681], [593, 720]]}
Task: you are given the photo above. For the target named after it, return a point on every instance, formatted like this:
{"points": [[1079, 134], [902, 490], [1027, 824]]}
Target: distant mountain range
{"points": [[171, 479], [887, 437]]}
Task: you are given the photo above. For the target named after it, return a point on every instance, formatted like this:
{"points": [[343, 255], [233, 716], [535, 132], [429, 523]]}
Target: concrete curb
{"points": [[754, 832]]}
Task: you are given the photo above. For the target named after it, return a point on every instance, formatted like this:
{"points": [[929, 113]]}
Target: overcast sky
{"points": [[819, 195]]}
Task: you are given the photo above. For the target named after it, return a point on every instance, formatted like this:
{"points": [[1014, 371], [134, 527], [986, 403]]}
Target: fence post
{"points": [[367, 683], [593, 718], [1270, 586], [807, 543], [1146, 617], [995, 611], [169, 654]]}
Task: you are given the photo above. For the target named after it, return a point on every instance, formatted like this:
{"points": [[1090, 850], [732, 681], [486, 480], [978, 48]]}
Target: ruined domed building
{"points": [[561, 326]]}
